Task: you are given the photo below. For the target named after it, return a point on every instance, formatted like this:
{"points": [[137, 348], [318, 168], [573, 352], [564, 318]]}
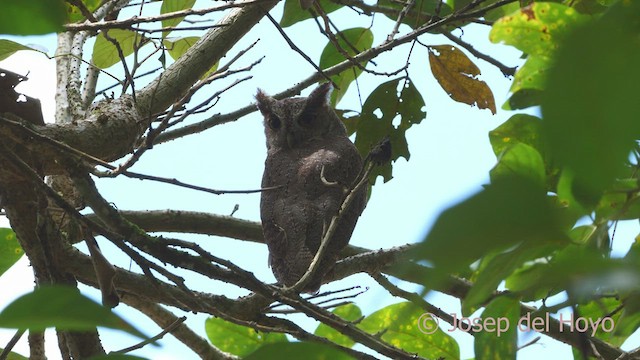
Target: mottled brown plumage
{"points": [[304, 135]]}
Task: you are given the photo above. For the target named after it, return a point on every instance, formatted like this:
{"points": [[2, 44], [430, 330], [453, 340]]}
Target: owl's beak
{"points": [[291, 140]]}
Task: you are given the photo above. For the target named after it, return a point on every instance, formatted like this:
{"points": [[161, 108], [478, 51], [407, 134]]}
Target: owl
{"points": [[311, 161]]}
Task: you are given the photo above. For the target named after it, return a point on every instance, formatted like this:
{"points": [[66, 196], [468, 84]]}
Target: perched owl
{"points": [[305, 138]]}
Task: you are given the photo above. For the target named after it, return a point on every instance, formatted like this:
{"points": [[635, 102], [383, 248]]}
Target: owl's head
{"points": [[294, 122]]}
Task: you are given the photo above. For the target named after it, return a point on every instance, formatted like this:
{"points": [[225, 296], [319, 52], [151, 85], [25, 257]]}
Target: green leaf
{"points": [[32, 17], [520, 160], [15, 356], [352, 41], [116, 357], [293, 13], [532, 272], [401, 326], [105, 53], [536, 29], [457, 75], [348, 312], [10, 250], [178, 47], [532, 74], [237, 339], [406, 104], [76, 15], [420, 13], [8, 48], [520, 128], [520, 213], [498, 338], [523, 99], [169, 6], [501, 266], [61, 307], [495, 14], [591, 121], [297, 350]]}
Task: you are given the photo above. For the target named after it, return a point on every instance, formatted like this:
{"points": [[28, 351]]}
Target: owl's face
{"points": [[292, 123]]}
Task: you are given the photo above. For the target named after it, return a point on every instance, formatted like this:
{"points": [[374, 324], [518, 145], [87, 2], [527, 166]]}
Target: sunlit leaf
{"points": [[351, 41], [32, 17], [458, 77], [592, 121], [498, 338], [177, 47], [169, 6], [61, 307], [401, 326], [297, 350], [10, 250], [405, 106], [237, 339], [293, 13], [538, 28], [349, 312], [105, 53], [520, 128]]}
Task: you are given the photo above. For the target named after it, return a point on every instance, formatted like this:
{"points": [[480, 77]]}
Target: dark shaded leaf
{"points": [[591, 121], [385, 99], [61, 307], [420, 13], [520, 213], [32, 17]]}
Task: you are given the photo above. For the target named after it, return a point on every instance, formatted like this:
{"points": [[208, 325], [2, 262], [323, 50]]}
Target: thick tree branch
{"points": [[182, 74]]}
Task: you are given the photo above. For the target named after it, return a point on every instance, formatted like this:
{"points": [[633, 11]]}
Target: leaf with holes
{"points": [[457, 76], [404, 105]]}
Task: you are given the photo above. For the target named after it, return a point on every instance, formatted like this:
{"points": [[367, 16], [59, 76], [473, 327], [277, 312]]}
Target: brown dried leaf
{"points": [[457, 76]]}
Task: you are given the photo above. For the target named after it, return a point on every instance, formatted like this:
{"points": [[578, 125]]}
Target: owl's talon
{"points": [[325, 181]]}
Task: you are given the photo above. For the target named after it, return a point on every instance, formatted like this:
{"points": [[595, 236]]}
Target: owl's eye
{"points": [[306, 118], [274, 122]]}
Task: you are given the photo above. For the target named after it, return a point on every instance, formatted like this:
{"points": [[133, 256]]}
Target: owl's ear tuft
{"points": [[263, 102], [320, 96]]}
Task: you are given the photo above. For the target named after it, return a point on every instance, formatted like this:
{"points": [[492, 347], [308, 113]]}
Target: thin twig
{"points": [[506, 70], [142, 344], [297, 49]]}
